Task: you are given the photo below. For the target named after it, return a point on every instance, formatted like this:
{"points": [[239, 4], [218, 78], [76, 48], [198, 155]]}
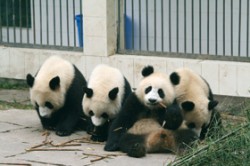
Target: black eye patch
{"points": [[191, 125], [105, 116], [148, 89], [161, 93], [49, 105]]}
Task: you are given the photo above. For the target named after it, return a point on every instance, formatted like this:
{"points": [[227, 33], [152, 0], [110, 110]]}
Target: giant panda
{"points": [[151, 99], [147, 135], [104, 96], [195, 97], [56, 93]]}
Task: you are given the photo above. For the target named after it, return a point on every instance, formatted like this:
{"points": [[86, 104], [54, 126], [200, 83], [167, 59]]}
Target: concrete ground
{"points": [[24, 142]]}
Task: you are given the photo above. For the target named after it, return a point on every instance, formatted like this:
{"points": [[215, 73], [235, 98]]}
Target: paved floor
{"points": [[21, 131]]}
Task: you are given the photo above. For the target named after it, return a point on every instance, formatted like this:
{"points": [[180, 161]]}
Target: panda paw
{"points": [[63, 133], [98, 138], [173, 117], [111, 147], [137, 150]]}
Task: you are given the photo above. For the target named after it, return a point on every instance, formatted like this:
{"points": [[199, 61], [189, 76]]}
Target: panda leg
{"points": [[67, 125], [99, 133], [47, 124], [114, 134], [133, 145]]}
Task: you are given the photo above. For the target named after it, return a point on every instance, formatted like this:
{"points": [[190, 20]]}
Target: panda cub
{"points": [[196, 100], [154, 93], [106, 92], [56, 94], [148, 136]]}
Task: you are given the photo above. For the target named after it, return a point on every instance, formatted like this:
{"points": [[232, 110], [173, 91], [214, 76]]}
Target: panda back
{"points": [[144, 126]]}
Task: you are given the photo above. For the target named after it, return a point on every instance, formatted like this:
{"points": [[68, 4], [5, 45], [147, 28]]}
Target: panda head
{"points": [[46, 94], [198, 115], [100, 107], [104, 94], [155, 89]]}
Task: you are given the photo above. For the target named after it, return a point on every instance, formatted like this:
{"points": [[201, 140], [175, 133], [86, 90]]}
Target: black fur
{"points": [[132, 111], [98, 133], [175, 78], [30, 80], [133, 145], [173, 117], [127, 90], [212, 105], [146, 71], [70, 117]]}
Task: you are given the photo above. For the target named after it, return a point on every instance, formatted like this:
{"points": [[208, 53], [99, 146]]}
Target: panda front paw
{"points": [[137, 150], [173, 117], [111, 147], [98, 138]]}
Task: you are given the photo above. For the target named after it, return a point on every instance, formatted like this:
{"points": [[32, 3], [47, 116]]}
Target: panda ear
{"points": [[187, 105], [113, 93], [212, 104], [88, 91], [30, 80], [175, 78], [146, 71], [54, 83]]}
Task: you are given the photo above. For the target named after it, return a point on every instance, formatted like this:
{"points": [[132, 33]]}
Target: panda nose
{"points": [[152, 100]]}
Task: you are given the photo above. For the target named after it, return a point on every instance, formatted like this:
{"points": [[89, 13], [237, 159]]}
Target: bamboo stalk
{"points": [[23, 164], [52, 149]]}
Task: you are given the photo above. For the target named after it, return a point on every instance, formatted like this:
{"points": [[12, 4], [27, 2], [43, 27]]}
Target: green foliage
{"points": [[9, 105], [12, 84], [230, 146]]}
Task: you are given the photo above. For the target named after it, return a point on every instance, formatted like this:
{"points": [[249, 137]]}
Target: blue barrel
{"points": [[128, 32], [79, 23]]}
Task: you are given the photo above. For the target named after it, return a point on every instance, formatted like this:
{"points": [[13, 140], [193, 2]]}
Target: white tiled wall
{"points": [[225, 78]]}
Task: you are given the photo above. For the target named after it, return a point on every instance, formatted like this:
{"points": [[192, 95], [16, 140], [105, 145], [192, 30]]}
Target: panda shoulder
{"points": [[132, 103]]}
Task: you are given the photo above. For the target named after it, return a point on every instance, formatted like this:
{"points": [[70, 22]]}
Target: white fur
{"points": [[45, 112], [153, 94], [98, 121], [158, 81], [193, 88], [103, 79], [41, 92]]}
